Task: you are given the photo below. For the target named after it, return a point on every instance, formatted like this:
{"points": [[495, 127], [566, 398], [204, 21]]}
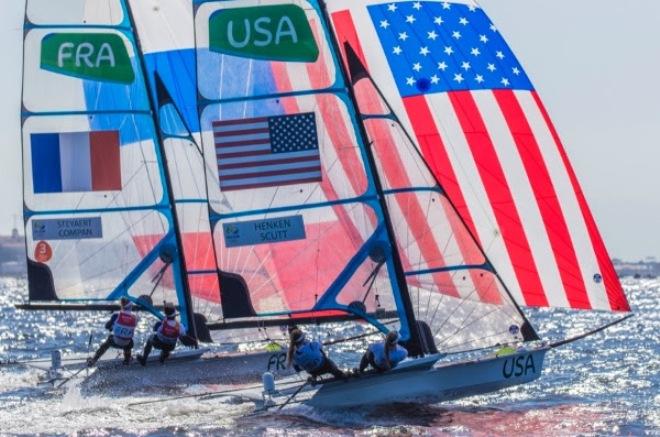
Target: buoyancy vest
{"points": [[124, 327], [396, 355], [308, 355], [168, 331]]}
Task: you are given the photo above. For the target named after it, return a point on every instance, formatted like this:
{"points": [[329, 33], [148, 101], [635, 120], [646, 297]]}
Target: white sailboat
{"points": [[264, 163]]}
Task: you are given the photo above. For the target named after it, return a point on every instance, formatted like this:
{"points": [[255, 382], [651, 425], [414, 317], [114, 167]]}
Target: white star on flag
{"points": [[499, 54], [475, 51], [397, 50], [456, 34], [417, 6], [410, 81], [448, 50], [463, 21], [442, 66], [458, 77], [479, 78], [483, 38], [438, 20], [505, 81], [424, 51], [417, 66], [432, 35], [384, 24], [410, 19], [465, 65], [435, 79], [403, 36], [491, 67], [391, 7]]}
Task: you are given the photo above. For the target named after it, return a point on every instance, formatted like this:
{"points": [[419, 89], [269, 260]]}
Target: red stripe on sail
{"points": [[546, 199], [436, 156], [224, 143], [232, 133], [615, 295], [268, 162], [499, 196], [105, 160]]}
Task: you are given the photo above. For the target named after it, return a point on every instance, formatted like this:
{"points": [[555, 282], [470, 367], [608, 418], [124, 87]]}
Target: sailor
{"points": [[166, 333], [309, 356], [384, 355], [121, 326]]}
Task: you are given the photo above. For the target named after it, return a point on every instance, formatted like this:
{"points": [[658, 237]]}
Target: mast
{"points": [[528, 331], [414, 345], [168, 179]]}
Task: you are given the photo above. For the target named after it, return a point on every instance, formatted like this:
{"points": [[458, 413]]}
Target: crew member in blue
{"points": [[121, 326], [166, 333], [310, 356], [384, 355]]}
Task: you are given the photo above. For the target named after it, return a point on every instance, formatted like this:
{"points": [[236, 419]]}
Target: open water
{"points": [[607, 384]]}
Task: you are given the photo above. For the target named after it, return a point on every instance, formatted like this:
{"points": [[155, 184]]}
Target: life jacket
{"points": [[396, 355], [124, 327], [168, 331], [308, 355]]}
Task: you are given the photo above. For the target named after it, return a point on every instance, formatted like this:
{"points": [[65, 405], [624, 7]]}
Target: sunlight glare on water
{"points": [[603, 385]]}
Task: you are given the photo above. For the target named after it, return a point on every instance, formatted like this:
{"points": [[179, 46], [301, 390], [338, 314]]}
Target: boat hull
{"points": [[443, 382]]}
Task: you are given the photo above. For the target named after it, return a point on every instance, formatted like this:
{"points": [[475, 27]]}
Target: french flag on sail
{"points": [[75, 162]]}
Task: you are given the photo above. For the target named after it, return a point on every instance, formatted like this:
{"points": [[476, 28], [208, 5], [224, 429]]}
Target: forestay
{"points": [[98, 220], [455, 85]]}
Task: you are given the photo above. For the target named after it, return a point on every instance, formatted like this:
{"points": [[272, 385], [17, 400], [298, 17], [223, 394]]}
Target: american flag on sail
{"points": [[481, 126], [267, 151]]}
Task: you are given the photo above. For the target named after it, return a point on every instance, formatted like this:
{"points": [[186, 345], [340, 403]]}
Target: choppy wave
{"points": [[604, 385]]}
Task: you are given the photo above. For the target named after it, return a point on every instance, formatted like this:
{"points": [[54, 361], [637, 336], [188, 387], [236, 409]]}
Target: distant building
{"points": [[647, 268], [12, 254]]}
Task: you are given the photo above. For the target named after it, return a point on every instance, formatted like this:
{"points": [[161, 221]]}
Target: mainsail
{"points": [[455, 85], [298, 227], [98, 216]]}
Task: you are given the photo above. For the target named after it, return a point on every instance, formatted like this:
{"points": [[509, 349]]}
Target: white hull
{"points": [[443, 382], [183, 367]]}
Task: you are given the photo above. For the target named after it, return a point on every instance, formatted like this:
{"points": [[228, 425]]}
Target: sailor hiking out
{"points": [[121, 326], [165, 336], [309, 356], [384, 355]]}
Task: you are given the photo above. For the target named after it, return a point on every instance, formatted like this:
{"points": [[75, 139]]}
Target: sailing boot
{"points": [[141, 359], [127, 357]]}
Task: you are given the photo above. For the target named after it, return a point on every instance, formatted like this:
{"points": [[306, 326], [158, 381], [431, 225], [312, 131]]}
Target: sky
{"points": [[595, 63]]}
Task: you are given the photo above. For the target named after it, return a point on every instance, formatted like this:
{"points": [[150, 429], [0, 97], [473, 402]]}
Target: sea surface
{"points": [[608, 384]]}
